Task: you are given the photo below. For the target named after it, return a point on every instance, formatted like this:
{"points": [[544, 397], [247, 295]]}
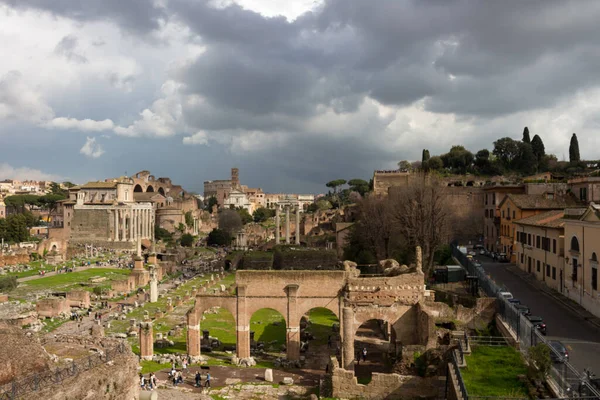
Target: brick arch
{"points": [[274, 304], [332, 305], [202, 304], [390, 315]]}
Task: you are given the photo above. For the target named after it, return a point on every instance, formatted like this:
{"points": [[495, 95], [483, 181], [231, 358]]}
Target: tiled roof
{"points": [[99, 185], [539, 202], [147, 196], [550, 219]]}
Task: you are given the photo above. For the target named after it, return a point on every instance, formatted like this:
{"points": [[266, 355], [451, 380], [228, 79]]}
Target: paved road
{"points": [[580, 336]]}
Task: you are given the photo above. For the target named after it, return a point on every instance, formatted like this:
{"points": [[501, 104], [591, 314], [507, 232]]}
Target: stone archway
{"points": [[161, 191], [138, 188], [149, 189]]}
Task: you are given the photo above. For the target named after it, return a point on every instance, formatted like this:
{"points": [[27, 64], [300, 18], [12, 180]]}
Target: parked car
{"points": [[502, 257], [482, 252], [472, 253], [523, 309], [514, 301], [560, 354], [538, 323], [506, 295]]}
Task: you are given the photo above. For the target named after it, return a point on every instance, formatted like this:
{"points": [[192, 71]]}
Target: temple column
{"points": [[116, 234], [287, 224], [144, 224], [348, 338], [131, 237], [123, 237], [152, 223], [146, 341], [293, 325], [298, 225], [193, 335], [242, 325], [277, 224]]}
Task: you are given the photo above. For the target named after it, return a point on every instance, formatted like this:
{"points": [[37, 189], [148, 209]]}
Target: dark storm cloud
{"points": [[140, 16]]}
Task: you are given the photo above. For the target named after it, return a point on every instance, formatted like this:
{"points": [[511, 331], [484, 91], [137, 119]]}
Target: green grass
{"points": [[262, 324], [49, 326], [220, 325], [322, 321], [71, 278], [152, 366], [493, 371]]}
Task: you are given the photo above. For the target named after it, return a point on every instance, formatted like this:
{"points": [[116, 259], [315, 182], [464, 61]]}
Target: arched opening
{"points": [[161, 191], [319, 337], [267, 333], [217, 330], [138, 189], [470, 183], [373, 346], [54, 248], [594, 258], [574, 244], [149, 189]]}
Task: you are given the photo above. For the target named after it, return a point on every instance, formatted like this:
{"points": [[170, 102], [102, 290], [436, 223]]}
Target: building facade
{"points": [[492, 196], [586, 189]]}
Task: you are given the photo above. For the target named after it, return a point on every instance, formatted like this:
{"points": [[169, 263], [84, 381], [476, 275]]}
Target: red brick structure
{"points": [[146, 341]]}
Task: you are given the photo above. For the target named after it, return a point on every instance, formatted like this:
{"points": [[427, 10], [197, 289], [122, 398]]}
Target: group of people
{"points": [[177, 376], [149, 383]]}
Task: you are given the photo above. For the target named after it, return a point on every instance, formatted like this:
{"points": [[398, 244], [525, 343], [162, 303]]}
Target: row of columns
{"points": [[196, 226], [287, 224], [131, 224]]}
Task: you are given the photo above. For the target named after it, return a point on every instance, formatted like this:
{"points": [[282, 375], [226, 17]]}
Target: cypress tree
{"points": [[526, 138], [538, 147], [574, 150], [425, 155]]}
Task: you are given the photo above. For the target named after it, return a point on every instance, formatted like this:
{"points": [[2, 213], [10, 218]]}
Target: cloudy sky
{"points": [[295, 93]]}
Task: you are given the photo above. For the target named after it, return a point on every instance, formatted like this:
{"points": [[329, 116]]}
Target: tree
{"points": [[312, 208], [219, 237], [212, 201], [335, 184], [507, 150], [359, 185], [404, 166], [50, 201], [538, 149], [425, 156], [526, 138], [482, 160], [68, 184], [323, 204], [230, 221], [421, 215], [181, 227], [162, 234], [526, 162], [435, 163], [574, 150], [189, 219], [262, 214], [539, 361], [244, 215], [375, 225], [458, 158], [187, 240]]}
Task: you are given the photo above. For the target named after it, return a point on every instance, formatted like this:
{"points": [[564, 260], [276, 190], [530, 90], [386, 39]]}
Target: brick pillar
{"points": [[146, 341], [348, 338], [243, 325], [293, 324], [169, 306], [277, 225], [193, 335]]}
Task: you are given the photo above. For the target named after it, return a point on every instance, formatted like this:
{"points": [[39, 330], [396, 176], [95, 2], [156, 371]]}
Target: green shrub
{"points": [[187, 240], [8, 283]]}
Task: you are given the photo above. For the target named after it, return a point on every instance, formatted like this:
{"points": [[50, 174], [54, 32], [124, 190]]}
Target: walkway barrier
{"points": [[568, 381], [18, 388]]}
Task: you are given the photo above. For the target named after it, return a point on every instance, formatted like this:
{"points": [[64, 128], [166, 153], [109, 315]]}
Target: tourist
{"points": [[142, 382], [364, 354], [174, 376], [207, 384], [329, 341], [198, 379], [184, 365], [153, 381], [179, 377]]}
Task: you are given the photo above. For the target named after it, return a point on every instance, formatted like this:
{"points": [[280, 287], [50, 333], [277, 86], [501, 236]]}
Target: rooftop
{"points": [[97, 185], [539, 201], [549, 219]]}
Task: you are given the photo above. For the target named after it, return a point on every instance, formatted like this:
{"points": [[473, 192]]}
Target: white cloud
{"points": [[24, 173], [18, 101], [91, 149], [86, 125], [199, 138]]}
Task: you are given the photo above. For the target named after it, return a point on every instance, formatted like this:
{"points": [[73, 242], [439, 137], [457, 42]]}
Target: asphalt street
{"points": [[580, 336]]}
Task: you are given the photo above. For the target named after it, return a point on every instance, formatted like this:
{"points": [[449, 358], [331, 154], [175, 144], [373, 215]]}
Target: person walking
{"points": [[198, 379], [364, 354], [207, 384], [142, 382]]}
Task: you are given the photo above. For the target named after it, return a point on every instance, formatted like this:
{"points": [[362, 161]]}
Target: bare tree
{"points": [[376, 225], [230, 221], [422, 217]]}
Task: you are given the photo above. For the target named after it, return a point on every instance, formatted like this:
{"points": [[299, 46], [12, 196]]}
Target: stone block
{"points": [[268, 375], [288, 380]]}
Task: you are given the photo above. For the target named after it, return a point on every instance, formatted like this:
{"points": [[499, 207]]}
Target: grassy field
{"points": [[70, 278], [321, 320], [268, 325], [493, 371]]}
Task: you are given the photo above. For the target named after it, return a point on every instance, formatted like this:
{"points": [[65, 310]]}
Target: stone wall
{"points": [[406, 288], [311, 283], [78, 298], [382, 386], [14, 259], [52, 307], [477, 317], [290, 258], [90, 225], [256, 260]]}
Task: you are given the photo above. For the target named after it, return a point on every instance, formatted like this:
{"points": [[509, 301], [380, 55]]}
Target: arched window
{"points": [[574, 244], [594, 258]]}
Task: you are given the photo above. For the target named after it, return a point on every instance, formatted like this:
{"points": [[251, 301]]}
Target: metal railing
{"points": [[461, 383], [18, 388], [569, 381], [488, 341]]}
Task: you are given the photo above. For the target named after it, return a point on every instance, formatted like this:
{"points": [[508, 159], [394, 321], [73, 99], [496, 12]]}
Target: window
{"points": [[574, 245], [508, 213], [502, 213], [594, 262], [554, 246], [574, 276], [554, 273], [522, 257], [537, 241], [583, 194], [514, 214], [486, 213], [529, 239], [547, 270], [538, 265]]}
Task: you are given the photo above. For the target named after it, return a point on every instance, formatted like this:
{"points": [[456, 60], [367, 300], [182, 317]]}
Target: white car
{"points": [[482, 252], [506, 295]]}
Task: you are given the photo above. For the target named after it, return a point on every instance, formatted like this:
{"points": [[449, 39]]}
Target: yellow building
{"points": [[515, 207], [539, 247], [582, 250]]}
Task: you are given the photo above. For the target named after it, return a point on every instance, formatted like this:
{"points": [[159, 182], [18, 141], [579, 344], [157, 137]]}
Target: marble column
{"points": [[123, 238], [277, 224], [116, 225], [131, 237], [348, 338], [193, 335], [287, 224], [298, 225], [144, 224]]}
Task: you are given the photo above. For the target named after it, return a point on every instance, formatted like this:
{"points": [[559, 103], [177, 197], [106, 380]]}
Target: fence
{"points": [[569, 382], [18, 388]]}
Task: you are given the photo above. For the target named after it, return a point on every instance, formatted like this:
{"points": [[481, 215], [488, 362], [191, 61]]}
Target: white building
{"points": [[238, 199]]}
